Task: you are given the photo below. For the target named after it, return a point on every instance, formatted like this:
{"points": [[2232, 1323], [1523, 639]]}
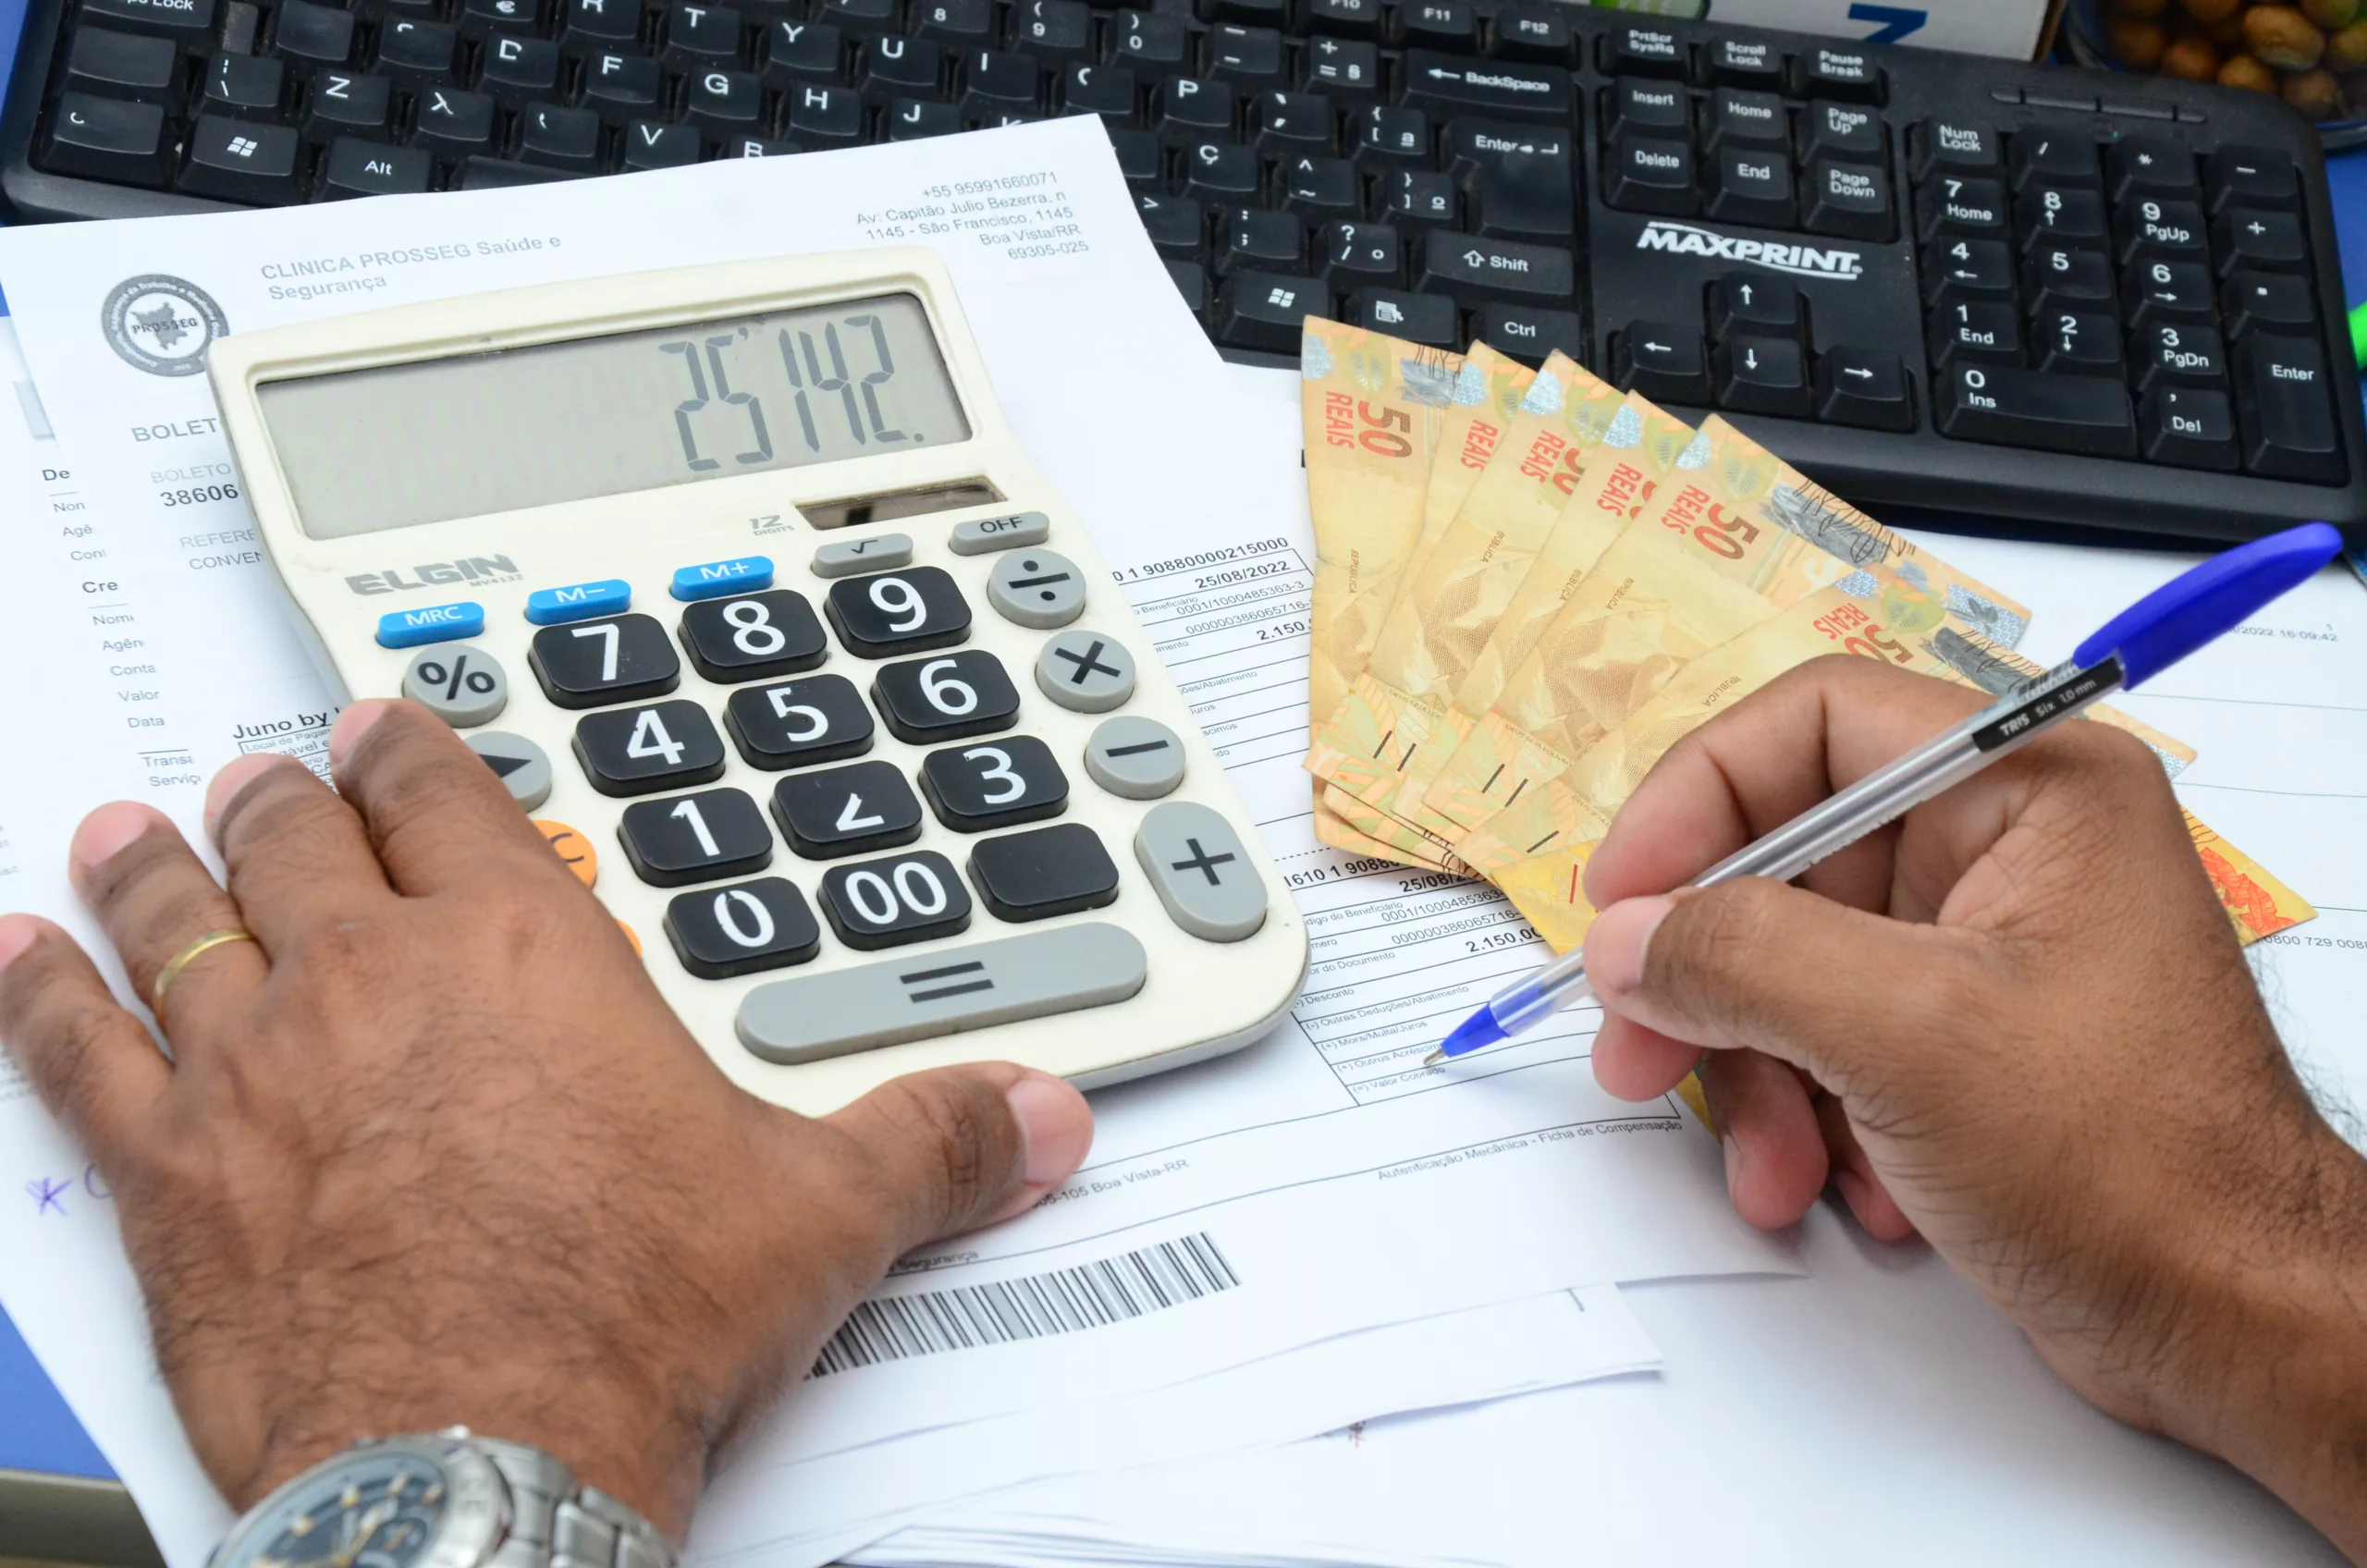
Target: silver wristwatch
{"points": [[441, 1500]]}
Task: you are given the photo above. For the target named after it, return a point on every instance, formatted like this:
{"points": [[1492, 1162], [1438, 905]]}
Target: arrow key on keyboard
{"points": [[1666, 364], [1462, 262], [1864, 388], [1762, 376]]}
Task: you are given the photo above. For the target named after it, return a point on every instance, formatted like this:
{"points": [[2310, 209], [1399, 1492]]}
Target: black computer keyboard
{"points": [[1924, 279]]}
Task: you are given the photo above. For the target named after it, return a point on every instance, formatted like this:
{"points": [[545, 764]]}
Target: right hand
{"points": [[2018, 1022]]}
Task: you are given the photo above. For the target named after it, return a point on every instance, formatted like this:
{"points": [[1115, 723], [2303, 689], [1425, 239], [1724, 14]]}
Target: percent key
{"points": [[464, 687]]}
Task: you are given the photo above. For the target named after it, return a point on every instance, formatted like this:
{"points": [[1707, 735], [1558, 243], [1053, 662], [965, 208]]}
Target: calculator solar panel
{"points": [[1925, 279]]}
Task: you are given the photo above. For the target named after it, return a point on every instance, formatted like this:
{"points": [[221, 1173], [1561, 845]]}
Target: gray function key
{"points": [[524, 767], [1200, 872], [1139, 758], [879, 552], [1037, 588], [814, 1017], [983, 535], [1085, 671], [462, 686]]}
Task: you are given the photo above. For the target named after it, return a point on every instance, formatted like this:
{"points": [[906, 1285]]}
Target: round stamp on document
{"points": [[161, 324]]}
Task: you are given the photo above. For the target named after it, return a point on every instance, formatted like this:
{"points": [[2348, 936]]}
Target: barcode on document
{"points": [[1062, 1300]]}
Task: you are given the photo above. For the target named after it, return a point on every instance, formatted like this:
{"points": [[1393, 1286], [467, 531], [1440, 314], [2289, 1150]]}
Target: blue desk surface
{"points": [[37, 1432]]}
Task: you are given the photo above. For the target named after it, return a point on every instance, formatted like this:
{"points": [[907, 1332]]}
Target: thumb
{"points": [[960, 1147], [1753, 964]]}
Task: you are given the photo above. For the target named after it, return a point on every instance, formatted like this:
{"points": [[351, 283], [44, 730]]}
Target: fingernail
{"points": [[1055, 1123], [357, 717], [15, 936], [1618, 942], [234, 777], [105, 831]]}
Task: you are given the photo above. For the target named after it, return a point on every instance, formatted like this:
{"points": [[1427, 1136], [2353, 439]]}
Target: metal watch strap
{"points": [[555, 1524]]}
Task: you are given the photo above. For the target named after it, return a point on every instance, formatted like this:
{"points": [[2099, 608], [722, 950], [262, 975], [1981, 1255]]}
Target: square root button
{"points": [[814, 1017]]}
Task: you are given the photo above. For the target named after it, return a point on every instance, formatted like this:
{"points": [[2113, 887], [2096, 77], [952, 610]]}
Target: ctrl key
{"points": [[107, 139]]}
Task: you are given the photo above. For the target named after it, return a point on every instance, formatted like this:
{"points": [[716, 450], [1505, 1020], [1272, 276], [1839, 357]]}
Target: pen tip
{"points": [[1436, 1057], [1479, 1029]]}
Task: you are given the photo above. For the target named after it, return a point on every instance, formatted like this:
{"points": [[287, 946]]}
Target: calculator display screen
{"points": [[401, 445]]}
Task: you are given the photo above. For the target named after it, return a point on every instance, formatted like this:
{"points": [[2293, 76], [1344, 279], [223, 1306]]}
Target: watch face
{"points": [[375, 1510]]}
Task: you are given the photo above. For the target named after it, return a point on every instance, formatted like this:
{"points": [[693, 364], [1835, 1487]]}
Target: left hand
{"points": [[432, 1149]]}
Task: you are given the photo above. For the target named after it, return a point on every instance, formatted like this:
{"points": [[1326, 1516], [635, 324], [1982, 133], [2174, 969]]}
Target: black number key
{"points": [[753, 638], [2078, 342], [2285, 399], [700, 837], [1057, 869], [799, 723], [2187, 355], [846, 811], [2065, 277], [997, 784], [927, 701], [898, 612], [757, 926], [1956, 270], [2167, 291], [2085, 414], [588, 663], [1975, 333], [642, 750], [886, 903], [2050, 214]]}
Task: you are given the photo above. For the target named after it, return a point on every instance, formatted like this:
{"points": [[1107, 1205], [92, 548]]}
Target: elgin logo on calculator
{"points": [[789, 651]]}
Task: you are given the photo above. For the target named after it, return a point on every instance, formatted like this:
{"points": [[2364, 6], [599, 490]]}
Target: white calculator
{"points": [[737, 579]]}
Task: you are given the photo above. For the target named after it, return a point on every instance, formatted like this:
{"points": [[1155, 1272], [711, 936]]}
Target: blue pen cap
{"points": [[2182, 615]]}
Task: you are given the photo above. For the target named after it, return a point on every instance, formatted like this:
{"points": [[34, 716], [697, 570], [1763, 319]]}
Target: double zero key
{"points": [[886, 903]]}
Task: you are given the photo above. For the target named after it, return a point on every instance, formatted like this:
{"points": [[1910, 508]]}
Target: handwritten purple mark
{"points": [[46, 1195]]}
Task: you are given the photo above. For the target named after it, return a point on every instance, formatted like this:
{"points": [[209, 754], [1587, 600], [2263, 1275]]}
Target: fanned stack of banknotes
{"points": [[1531, 584]]}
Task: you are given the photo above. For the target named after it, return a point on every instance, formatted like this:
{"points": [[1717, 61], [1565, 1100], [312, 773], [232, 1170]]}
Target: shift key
{"points": [[1463, 263]]}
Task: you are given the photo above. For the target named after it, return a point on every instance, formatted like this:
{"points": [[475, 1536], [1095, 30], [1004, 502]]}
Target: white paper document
{"points": [[1343, 1188]]}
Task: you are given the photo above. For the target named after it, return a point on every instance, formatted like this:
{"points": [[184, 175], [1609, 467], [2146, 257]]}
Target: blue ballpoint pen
{"points": [[2135, 646]]}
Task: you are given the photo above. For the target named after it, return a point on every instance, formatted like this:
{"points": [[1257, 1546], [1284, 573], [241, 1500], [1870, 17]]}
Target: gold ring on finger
{"points": [[188, 955]]}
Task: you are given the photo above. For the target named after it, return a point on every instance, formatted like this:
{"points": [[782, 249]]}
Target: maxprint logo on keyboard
{"points": [[161, 324], [1801, 261]]}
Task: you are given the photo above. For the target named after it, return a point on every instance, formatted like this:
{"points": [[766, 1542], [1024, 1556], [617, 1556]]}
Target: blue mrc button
{"points": [[436, 623], [715, 579], [555, 607]]}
